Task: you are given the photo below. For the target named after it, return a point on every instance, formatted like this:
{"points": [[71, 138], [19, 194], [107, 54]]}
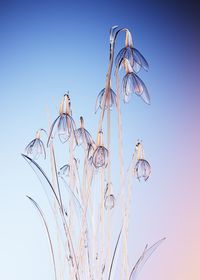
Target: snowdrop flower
{"points": [[105, 99], [132, 84], [83, 137], [36, 148], [100, 155], [109, 198], [64, 124], [142, 167], [135, 58]]}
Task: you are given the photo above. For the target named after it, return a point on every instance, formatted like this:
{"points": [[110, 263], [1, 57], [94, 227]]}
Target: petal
{"points": [[120, 57], [51, 136], [99, 100], [139, 59], [143, 92]]}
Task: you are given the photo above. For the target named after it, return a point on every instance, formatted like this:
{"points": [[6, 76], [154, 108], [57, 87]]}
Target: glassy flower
{"points": [[36, 148], [142, 166], [132, 84], [105, 99], [142, 169], [109, 202], [100, 155], [64, 124], [136, 59], [83, 137], [109, 198]]}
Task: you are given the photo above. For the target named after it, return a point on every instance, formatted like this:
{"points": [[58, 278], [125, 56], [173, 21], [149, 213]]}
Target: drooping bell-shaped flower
{"points": [[64, 124], [83, 137], [36, 148], [135, 58], [105, 99], [100, 155], [132, 84], [109, 198], [142, 166]]}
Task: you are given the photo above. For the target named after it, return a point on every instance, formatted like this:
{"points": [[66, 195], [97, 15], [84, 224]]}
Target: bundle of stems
{"points": [[83, 200]]}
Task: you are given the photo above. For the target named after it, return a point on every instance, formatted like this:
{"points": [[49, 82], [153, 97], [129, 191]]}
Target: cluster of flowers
{"points": [[64, 126]]}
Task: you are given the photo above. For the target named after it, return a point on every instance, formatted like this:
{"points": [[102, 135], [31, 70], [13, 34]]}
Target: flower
{"points": [[133, 84], [64, 124], [105, 100], [83, 137], [142, 169], [142, 166], [109, 198], [136, 59], [100, 155], [36, 148]]}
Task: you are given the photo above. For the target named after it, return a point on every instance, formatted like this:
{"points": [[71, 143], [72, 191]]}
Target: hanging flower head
{"points": [[136, 59], [36, 148], [64, 124], [142, 167], [83, 137], [132, 84], [109, 198], [105, 99], [100, 155]]}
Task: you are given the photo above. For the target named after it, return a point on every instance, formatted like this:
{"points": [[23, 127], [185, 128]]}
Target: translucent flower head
{"points": [[100, 155], [83, 137], [109, 198], [132, 84], [142, 167], [64, 124], [136, 59], [36, 148], [105, 99]]}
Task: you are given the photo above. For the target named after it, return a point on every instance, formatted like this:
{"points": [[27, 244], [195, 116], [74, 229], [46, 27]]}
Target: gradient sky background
{"points": [[47, 47]]}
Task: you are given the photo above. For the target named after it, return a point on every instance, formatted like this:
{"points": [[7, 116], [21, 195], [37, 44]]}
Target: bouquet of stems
{"points": [[84, 202]]}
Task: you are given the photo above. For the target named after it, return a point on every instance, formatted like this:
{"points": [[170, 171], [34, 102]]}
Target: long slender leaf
{"points": [[113, 257], [143, 258], [48, 232]]}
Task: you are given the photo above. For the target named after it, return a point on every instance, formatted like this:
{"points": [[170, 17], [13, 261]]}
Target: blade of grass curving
{"points": [[113, 257], [48, 232], [143, 258], [41, 175]]}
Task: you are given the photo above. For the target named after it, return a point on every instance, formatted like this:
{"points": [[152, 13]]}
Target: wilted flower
{"points": [[36, 148], [83, 137], [105, 99], [136, 59], [64, 124], [142, 166], [133, 84], [100, 155]]}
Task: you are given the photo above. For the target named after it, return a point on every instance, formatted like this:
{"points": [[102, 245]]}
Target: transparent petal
{"points": [[52, 131], [139, 59], [109, 202], [142, 169], [64, 128], [120, 56], [100, 157], [101, 100], [143, 92], [83, 137], [35, 149]]}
